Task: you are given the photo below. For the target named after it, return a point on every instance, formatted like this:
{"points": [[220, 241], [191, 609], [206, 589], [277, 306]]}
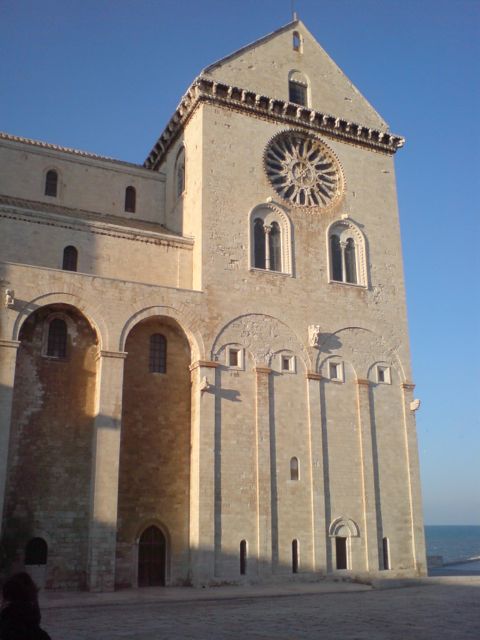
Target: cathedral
{"points": [[204, 361]]}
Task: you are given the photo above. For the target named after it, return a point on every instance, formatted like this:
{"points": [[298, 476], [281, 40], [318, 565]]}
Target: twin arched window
{"points": [[346, 247], [130, 199], [158, 353], [270, 240], [51, 183]]}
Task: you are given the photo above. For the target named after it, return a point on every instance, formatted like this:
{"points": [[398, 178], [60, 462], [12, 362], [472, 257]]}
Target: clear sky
{"points": [[105, 75]]}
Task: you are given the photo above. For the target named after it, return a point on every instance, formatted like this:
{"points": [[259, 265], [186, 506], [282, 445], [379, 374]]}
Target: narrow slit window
{"points": [[158, 353], [259, 243], [70, 258], [51, 183], [296, 41], [386, 554], [294, 556], [336, 256], [274, 239], [243, 557], [350, 262], [294, 469], [130, 199], [57, 339]]}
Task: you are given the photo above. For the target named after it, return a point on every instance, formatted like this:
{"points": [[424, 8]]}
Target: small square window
{"points": [[235, 357], [336, 371], [287, 363], [383, 375]]}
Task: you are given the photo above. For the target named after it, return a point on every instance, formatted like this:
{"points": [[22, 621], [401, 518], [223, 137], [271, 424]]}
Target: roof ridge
{"points": [[55, 147]]}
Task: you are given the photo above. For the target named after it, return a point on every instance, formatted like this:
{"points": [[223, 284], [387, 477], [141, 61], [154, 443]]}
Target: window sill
{"points": [[348, 284], [274, 273]]}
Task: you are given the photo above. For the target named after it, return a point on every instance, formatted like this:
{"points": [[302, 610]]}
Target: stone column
{"points": [[267, 520], [202, 472], [368, 475], [105, 466], [414, 487], [8, 359], [317, 480]]}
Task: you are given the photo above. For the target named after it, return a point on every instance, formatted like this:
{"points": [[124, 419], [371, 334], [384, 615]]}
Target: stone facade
{"points": [[274, 434]]}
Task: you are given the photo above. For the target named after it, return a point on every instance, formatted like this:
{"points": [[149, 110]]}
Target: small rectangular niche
{"points": [[335, 371], [383, 374], [287, 363], [235, 357]]}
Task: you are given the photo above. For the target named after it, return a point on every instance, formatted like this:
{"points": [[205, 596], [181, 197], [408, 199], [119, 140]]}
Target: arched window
{"points": [[294, 556], [57, 338], [346, 245], [158, 353], [130, 199], [298, 88], [297, 42], [294, 469], [51, 183], [36, 551], [70, 257], [180, 173], [243, 557], [270, 235]]}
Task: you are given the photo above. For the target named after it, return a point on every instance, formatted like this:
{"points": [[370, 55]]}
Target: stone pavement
{"points": [[429, 609]]}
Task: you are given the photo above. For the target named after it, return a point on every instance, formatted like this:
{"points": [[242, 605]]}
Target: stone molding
{"points": [[408, 385], [312, 375], [210, 364], [112, 229], [205, 90], [12, 344], [112, 354]]}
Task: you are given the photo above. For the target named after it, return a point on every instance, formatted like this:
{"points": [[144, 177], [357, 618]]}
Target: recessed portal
{"points": [[151, 558], [341, 552]]}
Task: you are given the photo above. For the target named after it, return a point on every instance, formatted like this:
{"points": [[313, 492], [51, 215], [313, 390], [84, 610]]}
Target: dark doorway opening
{"points": [[341, 552], [151, 558], [36, 552]]}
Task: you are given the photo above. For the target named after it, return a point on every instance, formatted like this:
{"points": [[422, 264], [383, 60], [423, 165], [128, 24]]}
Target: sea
{"points": [[455, 543]]}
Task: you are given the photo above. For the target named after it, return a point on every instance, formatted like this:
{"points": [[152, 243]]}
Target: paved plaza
{"points": [[433, 609]]}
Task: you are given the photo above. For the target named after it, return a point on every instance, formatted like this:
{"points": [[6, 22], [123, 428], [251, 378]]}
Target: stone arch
{"points": [[361, 347], [344, 525], [263, 335], [91, 313], [270, 212], [346, 227], [194, 337]]}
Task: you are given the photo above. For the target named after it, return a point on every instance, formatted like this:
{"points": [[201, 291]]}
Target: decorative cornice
{"points": [[362, 382], [408, 385], [210, 364], [312, 375], [205, 90], [55, 147], [62, 217]]}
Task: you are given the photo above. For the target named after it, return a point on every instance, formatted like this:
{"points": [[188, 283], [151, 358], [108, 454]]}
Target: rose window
{"points": [[303, 170]]}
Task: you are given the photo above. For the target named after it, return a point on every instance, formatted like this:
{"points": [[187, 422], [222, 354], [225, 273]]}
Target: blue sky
{"points": [[105, 75]]}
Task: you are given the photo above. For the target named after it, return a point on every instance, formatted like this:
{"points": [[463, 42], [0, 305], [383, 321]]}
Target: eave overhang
{"points": [[205, 90]]}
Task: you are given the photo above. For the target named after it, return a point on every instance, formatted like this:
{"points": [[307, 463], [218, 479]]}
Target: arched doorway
{"points": [[152, 551]]}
